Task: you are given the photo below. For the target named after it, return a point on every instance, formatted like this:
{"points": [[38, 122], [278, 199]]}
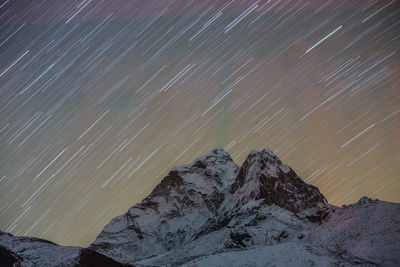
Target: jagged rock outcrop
{"points": [[264, 177]]}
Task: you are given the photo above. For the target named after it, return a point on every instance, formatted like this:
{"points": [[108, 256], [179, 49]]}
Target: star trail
{"points": [[99, 99]]}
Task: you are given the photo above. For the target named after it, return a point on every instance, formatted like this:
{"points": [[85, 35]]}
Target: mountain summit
{"points": [[212, 212], [264, 177]]}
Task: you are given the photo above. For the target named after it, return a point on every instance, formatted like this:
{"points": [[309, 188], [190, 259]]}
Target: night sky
{"points": [[99, 99]]}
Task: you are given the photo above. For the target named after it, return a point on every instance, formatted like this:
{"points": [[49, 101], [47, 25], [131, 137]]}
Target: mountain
{"points": [[29, 251], [214, 213]]}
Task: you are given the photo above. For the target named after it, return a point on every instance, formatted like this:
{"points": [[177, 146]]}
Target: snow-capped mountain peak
{"points": [[212, 212], [264, 177], [181, 204], [214, 169]]}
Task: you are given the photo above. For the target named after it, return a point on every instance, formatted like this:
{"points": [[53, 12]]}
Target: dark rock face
{"points": [[8, 258], [240, 239], [172, 180], [293, 195], [199, 164], [367, 201], [90, 258], [263, 176], [318, 217], [282, 235]]}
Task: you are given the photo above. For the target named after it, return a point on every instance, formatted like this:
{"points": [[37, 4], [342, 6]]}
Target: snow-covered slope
{"points": [[185, 200], [30, 251], [360, 234], [214, 213], [368, 229]]}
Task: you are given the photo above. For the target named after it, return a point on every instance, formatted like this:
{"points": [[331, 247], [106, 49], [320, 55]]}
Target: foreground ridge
{"points": [[31, 251], [212, 212]]}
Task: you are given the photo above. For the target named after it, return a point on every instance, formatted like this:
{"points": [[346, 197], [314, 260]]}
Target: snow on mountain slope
{"points": [[262, 236], [286, 254], [172, 214], [369, 229], [30, 251], [211, 213], [268, 226]]}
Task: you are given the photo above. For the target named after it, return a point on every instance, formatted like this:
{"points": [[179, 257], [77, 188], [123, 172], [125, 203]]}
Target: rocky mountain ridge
{"points": [[30, 251], [212, 212]]}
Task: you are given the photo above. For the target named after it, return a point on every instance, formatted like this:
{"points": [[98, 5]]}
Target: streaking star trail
{"points": [[99, 99]]}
